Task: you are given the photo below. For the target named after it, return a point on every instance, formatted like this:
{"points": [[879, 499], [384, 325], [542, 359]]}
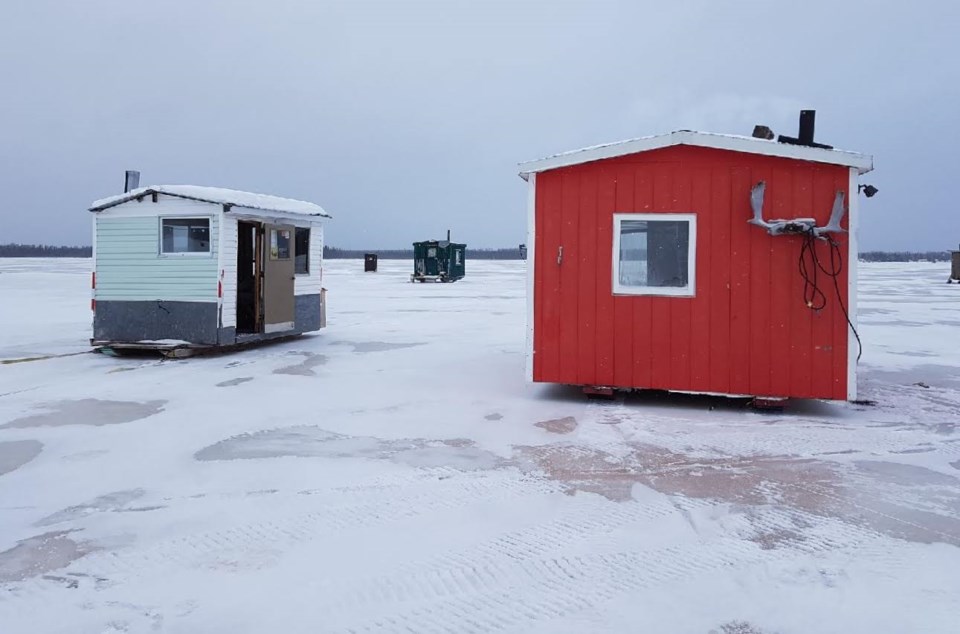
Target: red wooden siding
{"points": [[746, 331]]}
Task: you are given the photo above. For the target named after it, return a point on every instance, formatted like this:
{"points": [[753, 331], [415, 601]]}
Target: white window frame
{"points": [[690, 290], [189, 254]]}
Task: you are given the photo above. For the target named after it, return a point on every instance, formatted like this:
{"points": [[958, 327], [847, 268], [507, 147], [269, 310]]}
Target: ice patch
{"points": [[232, 382], [40, 554], [563, 425], [110, 502], [313, 442], [905, 474], [88, 411], [363, 347], [85, 455], [863, 497], [305, 367], [16, 453]]}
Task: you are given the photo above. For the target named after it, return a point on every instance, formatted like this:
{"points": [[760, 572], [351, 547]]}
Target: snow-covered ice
{"points": [[395, 473]]}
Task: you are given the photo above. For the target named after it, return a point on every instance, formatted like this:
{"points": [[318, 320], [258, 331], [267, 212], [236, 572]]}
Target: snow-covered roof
{"points": [[218, 196], [750, 145]]}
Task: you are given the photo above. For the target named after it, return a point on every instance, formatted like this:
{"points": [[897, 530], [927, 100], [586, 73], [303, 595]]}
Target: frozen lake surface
{"points": [[395, 473]]}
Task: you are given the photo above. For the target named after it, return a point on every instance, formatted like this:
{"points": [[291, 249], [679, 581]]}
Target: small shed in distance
{"points": [[651, 267], [438, 261], [369, 262]]}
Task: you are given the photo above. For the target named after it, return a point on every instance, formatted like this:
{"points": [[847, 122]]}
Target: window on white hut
{"points": [[654, 254], [185, 235], [301, 250]]}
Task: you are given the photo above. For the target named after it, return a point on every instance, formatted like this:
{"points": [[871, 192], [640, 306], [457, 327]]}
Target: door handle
{"points": [[560, 256]]}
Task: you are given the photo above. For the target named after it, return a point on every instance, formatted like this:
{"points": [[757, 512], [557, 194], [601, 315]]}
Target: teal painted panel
{"points": [[130, 267]]}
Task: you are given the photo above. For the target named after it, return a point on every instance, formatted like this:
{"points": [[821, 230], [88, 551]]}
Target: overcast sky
{"points": [[406, 118]]}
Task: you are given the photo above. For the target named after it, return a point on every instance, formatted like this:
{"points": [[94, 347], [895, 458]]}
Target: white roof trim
{"points": [[298, 220], [218, 196], [862, 162]]}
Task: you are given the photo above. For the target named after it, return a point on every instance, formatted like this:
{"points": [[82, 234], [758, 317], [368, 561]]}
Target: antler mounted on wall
{"points": [[796, 225]]}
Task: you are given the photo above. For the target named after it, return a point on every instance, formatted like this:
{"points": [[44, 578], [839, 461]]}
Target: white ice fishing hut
{"points": [[186, 266]]}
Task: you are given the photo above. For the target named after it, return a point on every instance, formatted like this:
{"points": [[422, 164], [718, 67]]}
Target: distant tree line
{"points": [[333, 253], [43, 251], [905, 256]]}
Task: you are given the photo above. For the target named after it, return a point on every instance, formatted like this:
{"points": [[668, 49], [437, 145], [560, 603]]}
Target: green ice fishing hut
{"points": [[438, 261]]}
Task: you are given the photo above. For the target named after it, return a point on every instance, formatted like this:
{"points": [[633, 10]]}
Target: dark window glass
{"points": [[653, 253], [186, 235], [301, 251]]}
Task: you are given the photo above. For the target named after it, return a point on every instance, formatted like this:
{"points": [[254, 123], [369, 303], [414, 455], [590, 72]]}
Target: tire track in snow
{"points": [[881, 516], [532, 591], [196, 549], [849, 530], [592, 522], [470, 584], [793, 436], [514, 583]]}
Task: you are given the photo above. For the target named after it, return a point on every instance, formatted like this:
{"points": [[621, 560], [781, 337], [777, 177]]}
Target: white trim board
{"points": [[220, 274], [853, 257], [93, 273], [861, 162], [274, 216], [531, 265]]}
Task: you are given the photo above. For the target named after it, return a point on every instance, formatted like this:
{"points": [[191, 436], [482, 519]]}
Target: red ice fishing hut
{"points": [[696, 262]]}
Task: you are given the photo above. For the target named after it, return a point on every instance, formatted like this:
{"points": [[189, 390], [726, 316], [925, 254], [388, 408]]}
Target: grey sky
{"points": [[406, 118]]}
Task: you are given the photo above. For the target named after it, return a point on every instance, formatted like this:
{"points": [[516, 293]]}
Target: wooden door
{"points": [[278, 278]]}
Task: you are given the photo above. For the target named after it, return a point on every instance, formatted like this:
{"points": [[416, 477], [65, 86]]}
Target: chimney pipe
{"points": [[805, 134], [807, 124], [131, 180], [448, 235]]}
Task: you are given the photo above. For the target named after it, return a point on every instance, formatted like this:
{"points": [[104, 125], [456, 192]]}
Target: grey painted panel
{"points": [[307, 317], [118, 321], [248, 338], [227, 336]]}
